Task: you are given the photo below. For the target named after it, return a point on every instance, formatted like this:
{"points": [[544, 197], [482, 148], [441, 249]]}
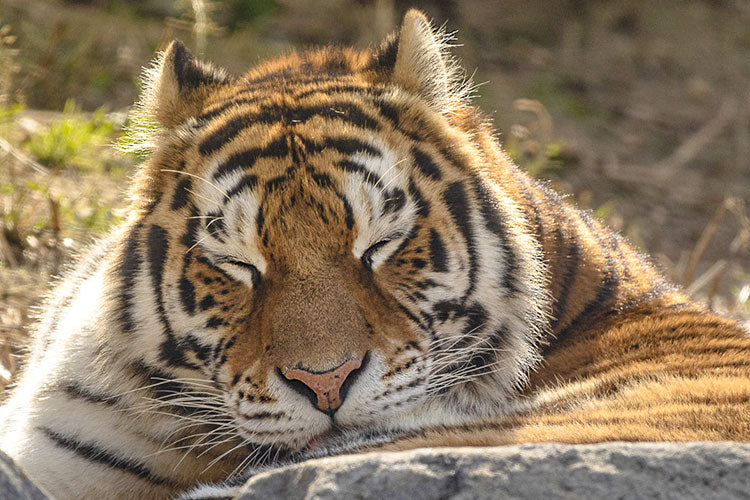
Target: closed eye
{"points": [[240, 269], [367, 257]]}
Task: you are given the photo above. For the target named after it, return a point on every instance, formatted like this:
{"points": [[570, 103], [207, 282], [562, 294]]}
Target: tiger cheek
{"points": [[389, 329]]}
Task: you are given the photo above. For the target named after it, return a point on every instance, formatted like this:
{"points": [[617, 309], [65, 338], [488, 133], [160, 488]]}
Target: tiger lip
{"points": [[319, 441]]}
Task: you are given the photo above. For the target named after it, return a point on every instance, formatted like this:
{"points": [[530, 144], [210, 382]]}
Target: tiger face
{"points": [[327, 247]]}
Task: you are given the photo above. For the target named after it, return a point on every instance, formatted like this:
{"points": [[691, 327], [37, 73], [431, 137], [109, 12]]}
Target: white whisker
{"points": [[199, 178]]}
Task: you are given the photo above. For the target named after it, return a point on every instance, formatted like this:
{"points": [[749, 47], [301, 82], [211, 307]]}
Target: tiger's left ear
{"points": [[417, 60], [180, 84]]}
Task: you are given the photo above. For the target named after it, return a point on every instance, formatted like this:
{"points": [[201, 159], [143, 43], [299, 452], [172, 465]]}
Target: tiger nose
{"points": [[326, 386]]}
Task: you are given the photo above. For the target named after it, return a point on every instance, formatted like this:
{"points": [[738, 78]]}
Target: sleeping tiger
{"points": [[332, 254]]}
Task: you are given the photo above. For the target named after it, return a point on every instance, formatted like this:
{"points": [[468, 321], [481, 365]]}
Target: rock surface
{"points": [[537, 471], [14, 485]]}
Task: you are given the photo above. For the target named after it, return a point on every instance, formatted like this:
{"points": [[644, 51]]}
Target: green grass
{"points": [[71, 139]]}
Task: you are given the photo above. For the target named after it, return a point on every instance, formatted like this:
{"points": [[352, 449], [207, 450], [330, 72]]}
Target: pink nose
{"points": [[325, 385]]}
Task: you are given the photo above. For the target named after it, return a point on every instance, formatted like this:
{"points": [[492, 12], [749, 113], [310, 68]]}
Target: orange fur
{"points": [[340, 208]]}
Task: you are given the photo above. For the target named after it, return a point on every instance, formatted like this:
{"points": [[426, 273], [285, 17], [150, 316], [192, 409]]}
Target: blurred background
{"points": [[638, 110]]}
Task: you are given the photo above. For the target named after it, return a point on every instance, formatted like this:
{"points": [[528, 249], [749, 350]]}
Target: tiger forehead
{"points": [[287, 92], [298, 72], [304, 204], [282, 83]]}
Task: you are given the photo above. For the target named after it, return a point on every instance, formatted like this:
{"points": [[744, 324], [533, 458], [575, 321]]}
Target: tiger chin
{"points": [[332, 254]]}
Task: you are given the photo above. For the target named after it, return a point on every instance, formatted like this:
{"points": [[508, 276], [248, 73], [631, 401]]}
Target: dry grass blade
{"points": [[703, 241], [7, 366], [22, 157], [713, 272], [698, 141]]}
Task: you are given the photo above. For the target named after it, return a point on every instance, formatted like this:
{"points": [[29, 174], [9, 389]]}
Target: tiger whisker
{"points": [[189, 174], [385, 187], [163, 381], [210, 234], [217, 459], [182, 428]]}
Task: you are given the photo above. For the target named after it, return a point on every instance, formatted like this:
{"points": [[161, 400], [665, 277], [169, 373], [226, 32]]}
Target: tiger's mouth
{"points": [[318, 442], [324, 439]]}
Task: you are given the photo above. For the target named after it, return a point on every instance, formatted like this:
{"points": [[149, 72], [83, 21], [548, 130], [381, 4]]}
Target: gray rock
{"points": [[14, 485], [546, 471]]}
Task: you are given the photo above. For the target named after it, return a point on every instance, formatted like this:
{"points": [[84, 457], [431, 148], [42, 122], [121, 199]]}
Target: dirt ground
{"points": [[639, 110]]}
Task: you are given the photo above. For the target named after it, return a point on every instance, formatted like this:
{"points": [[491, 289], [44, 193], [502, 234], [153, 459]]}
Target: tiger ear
{"points": [[417, 58], [180, 84]]}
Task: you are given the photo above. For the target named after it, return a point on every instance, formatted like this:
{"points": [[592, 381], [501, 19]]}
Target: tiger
{"points": [[333, 254]]}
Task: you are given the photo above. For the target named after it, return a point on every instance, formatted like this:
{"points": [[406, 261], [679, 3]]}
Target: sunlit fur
{"points": [[335, 205]]}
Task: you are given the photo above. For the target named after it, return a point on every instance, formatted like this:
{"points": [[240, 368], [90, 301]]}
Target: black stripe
{"points": [[157, 254], [131, 263], [410, 315], [605, 292], [203, 260], [244, 160], [322, 180], [438, 255], [357, 168], [424, 163], [476, 316], [493, 223], [247, 182], [489, 349], [260, 220], [572, 257], [275, 183], [181, 193], [161, 386], [264, 415], [349, 218], [224, 134], [75, 390], [423, 208], [190, 236], [210, 114], [297, 153], [216, 223], [395, 201], [343, 111], [185, 286], [257, 91], [457, 203], [389, 112], [446, 309], [187, 294], [344, 145], [93, 453], [338, 88], [171, 352]]}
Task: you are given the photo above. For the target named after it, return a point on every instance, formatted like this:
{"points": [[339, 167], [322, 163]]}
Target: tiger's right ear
{"points": [[178, 84]]}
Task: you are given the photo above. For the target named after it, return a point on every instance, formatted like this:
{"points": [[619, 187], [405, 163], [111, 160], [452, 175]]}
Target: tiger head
{"points": [[328, 241]]}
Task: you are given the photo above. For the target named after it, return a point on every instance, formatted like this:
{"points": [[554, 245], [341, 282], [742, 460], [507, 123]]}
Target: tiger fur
{"points": [[349, 210]]}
